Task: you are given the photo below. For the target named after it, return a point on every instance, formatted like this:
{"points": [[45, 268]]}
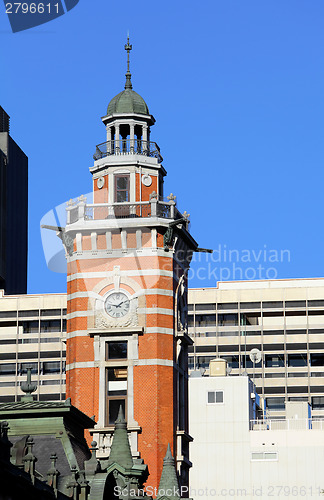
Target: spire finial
{"points": [[128, 48]]}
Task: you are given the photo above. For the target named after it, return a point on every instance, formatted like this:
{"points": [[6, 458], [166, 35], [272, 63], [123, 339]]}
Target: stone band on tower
{"points": [[128, 255]]}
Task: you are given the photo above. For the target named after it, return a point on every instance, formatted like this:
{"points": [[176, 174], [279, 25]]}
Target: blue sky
{"points": [[237, 92]]}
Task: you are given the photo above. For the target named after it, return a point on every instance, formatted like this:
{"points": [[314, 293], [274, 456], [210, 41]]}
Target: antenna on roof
{"points": [[128, 48]]}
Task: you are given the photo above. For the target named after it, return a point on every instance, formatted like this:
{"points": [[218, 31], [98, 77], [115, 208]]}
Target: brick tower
{"points": [[128, 253]]}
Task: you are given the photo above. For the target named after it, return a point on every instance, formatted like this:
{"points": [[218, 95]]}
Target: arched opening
{"points": [[124, 132], [138, 131], [110, 491]]}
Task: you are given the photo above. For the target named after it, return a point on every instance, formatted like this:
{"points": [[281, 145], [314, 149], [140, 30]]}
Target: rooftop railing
{"points": [[289, 424], [127, 210], [128, 147]]}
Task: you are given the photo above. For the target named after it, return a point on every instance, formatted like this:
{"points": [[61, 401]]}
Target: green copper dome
{"points": [[128, 101]]}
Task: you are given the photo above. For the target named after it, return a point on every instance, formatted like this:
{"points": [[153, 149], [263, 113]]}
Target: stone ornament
{"points": [[100, 182], [146, 180]]}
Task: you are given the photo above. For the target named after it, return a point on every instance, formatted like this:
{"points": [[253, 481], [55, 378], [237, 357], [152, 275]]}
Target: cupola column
{"points": [[145, 146], [108, 138], [132, 136], [117, 137]]}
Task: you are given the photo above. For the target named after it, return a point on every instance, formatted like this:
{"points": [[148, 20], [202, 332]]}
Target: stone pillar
{"points": [[144, 137], [108, 139], [117, 138], [131, 136]]}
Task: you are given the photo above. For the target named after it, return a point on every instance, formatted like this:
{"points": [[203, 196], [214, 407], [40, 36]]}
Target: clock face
{"points": [[117, 304]]}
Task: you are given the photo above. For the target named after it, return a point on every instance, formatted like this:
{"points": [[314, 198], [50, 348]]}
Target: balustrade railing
{"points": [[127, 147], [101, 211], [289, 424]]}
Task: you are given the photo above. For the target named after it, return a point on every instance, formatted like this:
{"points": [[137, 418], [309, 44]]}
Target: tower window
{"points": [[116, 350], [116, 392], [121, 188]]}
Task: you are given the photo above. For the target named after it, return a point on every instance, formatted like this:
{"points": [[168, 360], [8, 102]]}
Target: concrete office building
{"points": [[284, 319], [235, 456], [289, 334], [32, 334], [13, 221]]}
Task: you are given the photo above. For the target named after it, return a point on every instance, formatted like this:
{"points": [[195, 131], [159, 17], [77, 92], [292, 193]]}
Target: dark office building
{"points": [[13, 212]]}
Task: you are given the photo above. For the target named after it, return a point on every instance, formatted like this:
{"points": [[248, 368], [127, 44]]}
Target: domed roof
{"points": [[127, 101]]}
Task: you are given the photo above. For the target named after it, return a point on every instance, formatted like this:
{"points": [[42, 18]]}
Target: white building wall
{"points": [[222, 449]]}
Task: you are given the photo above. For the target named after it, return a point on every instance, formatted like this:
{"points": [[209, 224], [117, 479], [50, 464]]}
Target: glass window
{"points": [[190, 320], [274, 361], [227, 305], [215, 397], [297, 359], [51, 397], [273, 347], [117, 374], [228, 319], [203, 361], [317, 402], [250, 305], [205, 307], [296, 332], [251, 318], [8, 314], [206, 348], [27, 314], [51, 367], [295, 303], [7, 369], [51, 325], [317, 359], [113, 409], [203, 320], [27, 355], [227, 334], [30, 326], [247, 363], [50, 354], [121, 188], [116, 350], [315, 303], [272, 304], [7, 384], [51, 312], [276, 403]]}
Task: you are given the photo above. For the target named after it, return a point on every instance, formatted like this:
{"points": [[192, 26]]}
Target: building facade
{"points": [[127, 293], [32, 335], [13, 211], [284, 319]]}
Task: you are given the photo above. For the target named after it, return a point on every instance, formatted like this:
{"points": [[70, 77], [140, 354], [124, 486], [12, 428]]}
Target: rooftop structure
{"points": [[240, 451]]}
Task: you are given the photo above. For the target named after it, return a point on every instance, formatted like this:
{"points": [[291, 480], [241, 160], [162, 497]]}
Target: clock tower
{"points": [[128, 254]]}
